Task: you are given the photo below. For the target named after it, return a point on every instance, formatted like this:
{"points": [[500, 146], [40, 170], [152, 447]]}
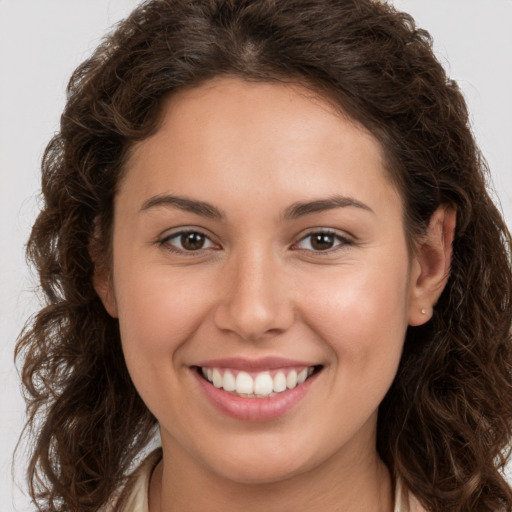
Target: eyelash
{"points": [[343, 241], [166, 241]]}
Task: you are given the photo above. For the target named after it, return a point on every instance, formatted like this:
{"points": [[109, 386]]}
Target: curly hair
{"points": [[445, 424]]}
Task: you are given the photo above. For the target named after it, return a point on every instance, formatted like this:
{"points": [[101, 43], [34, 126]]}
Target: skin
{"points": [[259, 288]]}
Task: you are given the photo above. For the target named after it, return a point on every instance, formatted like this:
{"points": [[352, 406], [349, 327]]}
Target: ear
{"points": [[430, 267], [102, 279], [102, 283]]}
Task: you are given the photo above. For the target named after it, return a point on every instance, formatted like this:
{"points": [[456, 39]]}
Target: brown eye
{"points": [[187, 241], [319, 241], [322, 241], [192, 241]]}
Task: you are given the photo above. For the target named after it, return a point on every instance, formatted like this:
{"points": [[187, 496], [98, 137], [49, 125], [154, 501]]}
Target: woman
{"points": [[266, 233]]}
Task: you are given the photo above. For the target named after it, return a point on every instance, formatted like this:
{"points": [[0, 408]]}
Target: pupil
{"points": [[192, 241], [322, 241]]}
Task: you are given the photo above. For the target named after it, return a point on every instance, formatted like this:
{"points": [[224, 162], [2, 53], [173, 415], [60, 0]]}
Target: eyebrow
{"points": [[294, 211], [320, 205], [190, 205]]}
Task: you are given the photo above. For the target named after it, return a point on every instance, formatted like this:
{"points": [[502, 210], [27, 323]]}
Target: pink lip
{"points": [[253, 409], [254, 365]]}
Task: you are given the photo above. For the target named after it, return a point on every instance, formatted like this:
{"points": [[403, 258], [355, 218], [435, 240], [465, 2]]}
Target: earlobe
{"points": [[102, 283], [430, 268], [102, 279]]}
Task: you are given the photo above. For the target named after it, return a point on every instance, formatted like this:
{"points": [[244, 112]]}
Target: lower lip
{"points": [[255, 409]]}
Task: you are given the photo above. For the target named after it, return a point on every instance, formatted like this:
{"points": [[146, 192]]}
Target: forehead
{"points": [[264, 137]]}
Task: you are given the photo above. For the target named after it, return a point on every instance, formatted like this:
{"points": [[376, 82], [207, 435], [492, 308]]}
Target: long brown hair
{"points": [[445, 424]]}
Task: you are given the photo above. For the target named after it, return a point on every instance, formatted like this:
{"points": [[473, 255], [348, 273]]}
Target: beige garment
{"points": [[137, 499], [404, 500]]}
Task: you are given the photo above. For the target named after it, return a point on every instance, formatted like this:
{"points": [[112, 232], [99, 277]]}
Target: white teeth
{"points": [[229, 382], [217, 378], [302, 376], [279, 382], [291, 380], [263, 384], [244, 383]]}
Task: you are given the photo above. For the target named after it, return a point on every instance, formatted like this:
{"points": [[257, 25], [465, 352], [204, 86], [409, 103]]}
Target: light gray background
{"points": [[42, 41]]}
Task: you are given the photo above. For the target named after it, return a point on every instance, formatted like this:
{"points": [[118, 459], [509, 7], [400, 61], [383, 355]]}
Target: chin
{"points": [[260, 467], [259, 475]]}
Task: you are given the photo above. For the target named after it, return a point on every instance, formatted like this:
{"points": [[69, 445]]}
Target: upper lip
{"points": [[254, 365]]}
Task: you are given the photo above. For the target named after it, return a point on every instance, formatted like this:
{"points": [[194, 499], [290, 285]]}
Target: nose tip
{"points": [[254, 304], [251, 322]]}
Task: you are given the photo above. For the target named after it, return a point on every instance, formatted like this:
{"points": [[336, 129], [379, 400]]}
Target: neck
{"points": [[361, 484]]}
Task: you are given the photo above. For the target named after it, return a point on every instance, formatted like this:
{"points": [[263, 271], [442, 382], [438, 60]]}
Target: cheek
{"points": [[158, 311], [360, 311], [362, 318]]}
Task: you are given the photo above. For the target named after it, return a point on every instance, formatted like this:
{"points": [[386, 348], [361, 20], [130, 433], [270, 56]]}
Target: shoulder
{"points": [[134, 496]]}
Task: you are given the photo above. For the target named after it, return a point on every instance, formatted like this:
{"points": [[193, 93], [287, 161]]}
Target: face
{"points": [[257, 242]]}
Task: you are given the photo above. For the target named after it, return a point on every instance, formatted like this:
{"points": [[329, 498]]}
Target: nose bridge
{"points": [[254, 302]]}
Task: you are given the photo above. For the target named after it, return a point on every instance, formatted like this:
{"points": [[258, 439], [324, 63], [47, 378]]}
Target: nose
{"points": [[255, 302]]}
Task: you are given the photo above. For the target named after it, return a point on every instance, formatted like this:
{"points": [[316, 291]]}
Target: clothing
{"points": [[136, 499], [404, 500]]}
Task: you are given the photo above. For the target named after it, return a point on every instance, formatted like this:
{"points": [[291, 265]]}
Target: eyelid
{"points": [[341, 236], [164, 240]]}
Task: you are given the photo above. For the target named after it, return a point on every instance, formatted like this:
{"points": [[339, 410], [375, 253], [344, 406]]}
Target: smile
{"points": [[255, 389], [262, 384]]}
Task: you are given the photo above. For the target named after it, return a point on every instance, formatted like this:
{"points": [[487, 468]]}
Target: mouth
{"points": [[256, 385], [256, 390]]}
